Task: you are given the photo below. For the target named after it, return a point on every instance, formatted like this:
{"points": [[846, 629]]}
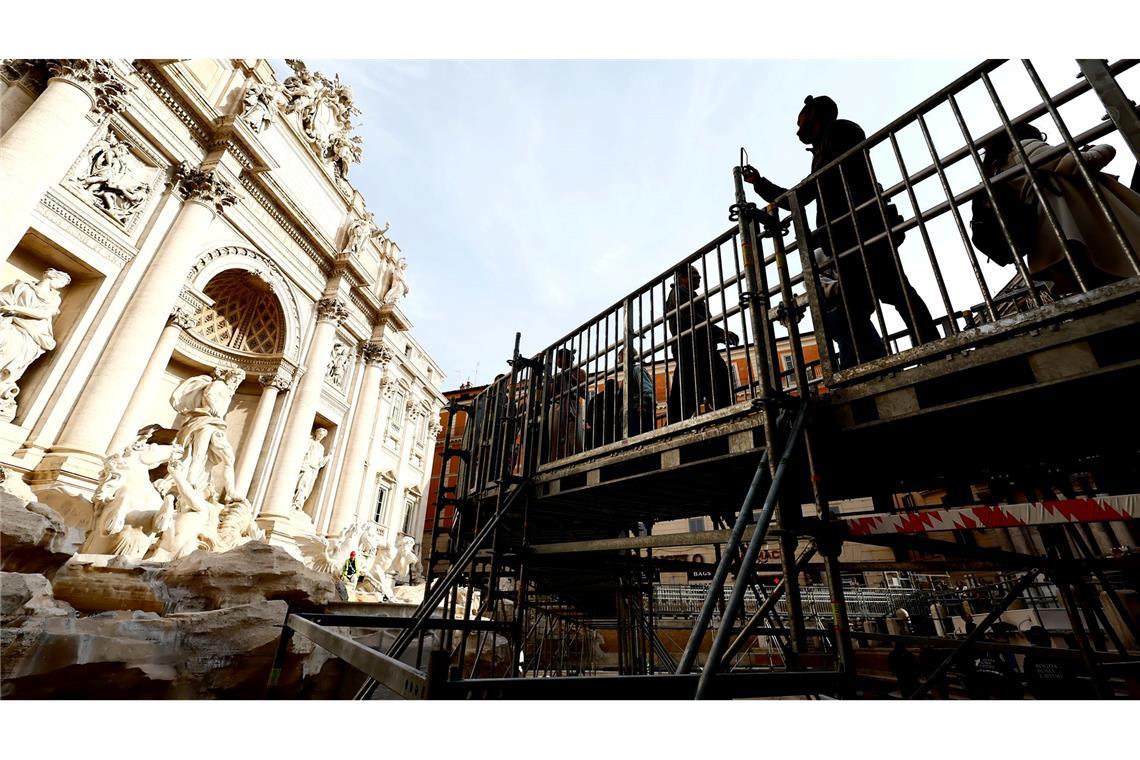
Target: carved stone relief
{"points": [[337, 370], [112, 177]]}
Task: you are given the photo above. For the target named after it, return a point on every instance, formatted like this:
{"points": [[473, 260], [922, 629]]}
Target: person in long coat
{"points": [[1096, 250]]}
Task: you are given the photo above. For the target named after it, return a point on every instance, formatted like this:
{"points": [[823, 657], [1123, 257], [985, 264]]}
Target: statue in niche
{"points": [[111, 180], [261, 102], [315, 459], [338, 365], [26, 313], [397, 287]]}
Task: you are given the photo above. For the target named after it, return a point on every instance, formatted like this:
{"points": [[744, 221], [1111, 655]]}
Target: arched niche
{"points": [[219, 260]]}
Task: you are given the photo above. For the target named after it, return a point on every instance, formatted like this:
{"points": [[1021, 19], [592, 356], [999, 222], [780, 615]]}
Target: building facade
{"points": [[178, 229], [449, 438]]}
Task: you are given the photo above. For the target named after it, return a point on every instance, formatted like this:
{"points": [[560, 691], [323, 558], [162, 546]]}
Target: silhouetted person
{"points": [[643, 394], [905, 667], [830, 137], [929, 659], [992, 677], [1096, 252], [700, 374], [1046, 677]]}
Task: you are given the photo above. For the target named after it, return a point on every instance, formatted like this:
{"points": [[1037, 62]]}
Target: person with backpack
{"points": [[830, 137], [1096, 252]]}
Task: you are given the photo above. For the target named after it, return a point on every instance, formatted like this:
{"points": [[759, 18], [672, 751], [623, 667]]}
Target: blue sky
{"points": [[529, 195]]}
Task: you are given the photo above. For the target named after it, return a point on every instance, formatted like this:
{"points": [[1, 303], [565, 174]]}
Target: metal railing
{"points": [[711, 335], [863, 253]]}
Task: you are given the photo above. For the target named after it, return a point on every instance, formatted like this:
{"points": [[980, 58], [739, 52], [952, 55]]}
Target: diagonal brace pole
{"points": [[977, 633], [749, 561]]}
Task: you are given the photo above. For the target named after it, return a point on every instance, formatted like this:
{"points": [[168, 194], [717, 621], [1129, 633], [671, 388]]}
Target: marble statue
{"points": [[108, 176], [397, 285], [328, 555], [358, 233], [338, 364], [194, 505], [376, 572], [129, 511], [344, 151], [406, 557], [325, 109], [261, 101], [315, 459], [26, 313], [208, 456]]}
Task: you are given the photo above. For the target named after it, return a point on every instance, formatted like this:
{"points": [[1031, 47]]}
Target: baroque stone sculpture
{"points": [[324, 109], [261, 101], [315, 459], [338, 364], [194, 505], [109, 174], [397, 286], [26, 313]]}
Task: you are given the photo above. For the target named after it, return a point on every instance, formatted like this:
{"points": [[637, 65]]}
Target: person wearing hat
{"points": [[828, 138], [348, 574], [699, 374]]}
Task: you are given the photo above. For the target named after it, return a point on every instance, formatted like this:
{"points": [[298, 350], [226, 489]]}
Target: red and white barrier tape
{"points": [[1101, 509]]}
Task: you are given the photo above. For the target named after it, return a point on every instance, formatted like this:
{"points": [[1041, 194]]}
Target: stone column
{"points": [[101, 406], [40, 146], [255, 439], [299, 426], [178, 321], [349, 493]]}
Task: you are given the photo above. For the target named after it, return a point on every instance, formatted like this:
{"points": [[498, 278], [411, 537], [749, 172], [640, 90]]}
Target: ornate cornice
{"points": [[331, 310], [181, 318], [205, 187], [149, 75], [96, 74]]}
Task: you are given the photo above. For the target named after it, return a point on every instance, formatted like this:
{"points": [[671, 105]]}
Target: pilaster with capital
{"points": [[329, 313], [253, 443], [351, 489], [204, 186], [176, 322], [41, 145], [137, 334]]}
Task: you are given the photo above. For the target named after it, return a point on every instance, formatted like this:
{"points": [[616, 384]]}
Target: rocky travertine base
{"points": [[33, 536], [204, 626]]}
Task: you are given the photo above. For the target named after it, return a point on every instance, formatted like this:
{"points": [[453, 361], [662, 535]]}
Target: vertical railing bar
{"points": [[708, 339], [1018, 262], [834, 264], [916, 339], [749, 354], [724, 314], [863, 254], [958, 223], [951, 322]]}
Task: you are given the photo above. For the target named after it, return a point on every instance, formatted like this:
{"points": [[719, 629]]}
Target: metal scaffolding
{"points": [[673, 404]]}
